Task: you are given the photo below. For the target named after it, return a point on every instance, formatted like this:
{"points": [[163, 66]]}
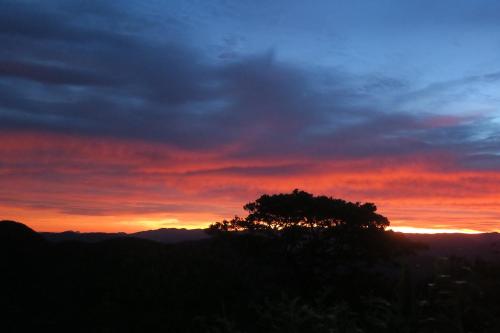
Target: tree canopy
{"points": [[302, 210]]}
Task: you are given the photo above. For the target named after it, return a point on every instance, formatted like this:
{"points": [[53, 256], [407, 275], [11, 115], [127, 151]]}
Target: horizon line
{"points": [[401, 229]]}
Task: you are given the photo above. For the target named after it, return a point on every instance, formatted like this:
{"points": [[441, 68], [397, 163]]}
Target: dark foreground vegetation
{"points": [[296, 263]]}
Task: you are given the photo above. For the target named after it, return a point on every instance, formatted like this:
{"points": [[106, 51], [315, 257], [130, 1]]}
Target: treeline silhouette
{"points": [[296, 263]]}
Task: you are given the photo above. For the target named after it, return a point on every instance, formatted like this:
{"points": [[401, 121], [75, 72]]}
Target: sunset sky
{"points": [[132, 115]]}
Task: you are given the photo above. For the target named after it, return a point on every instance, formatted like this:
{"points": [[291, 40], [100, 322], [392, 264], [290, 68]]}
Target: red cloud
{"points": [[59, 182]]}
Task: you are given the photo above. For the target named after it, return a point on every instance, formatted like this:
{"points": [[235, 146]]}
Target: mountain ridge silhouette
{"points": [[466, 245], [122, 282], [162, 235], [18, 235]]}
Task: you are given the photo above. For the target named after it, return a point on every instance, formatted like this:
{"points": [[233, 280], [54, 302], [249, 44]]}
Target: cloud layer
{"points": [[104, 112]]}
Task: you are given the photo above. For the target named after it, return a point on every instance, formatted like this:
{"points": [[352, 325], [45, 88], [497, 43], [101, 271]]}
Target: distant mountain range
{"points": [[485, 245], [164, 235]]}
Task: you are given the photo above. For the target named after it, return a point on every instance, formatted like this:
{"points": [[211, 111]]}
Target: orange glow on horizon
{"points": [[413, 230], [60, 182]]}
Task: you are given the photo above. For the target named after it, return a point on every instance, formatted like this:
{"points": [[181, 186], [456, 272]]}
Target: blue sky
{"points": [[421, 58], [314, 82]]}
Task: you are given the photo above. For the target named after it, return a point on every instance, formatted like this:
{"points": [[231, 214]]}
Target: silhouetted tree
{"points": [[318, 232], [302, 219], [302, 210]]}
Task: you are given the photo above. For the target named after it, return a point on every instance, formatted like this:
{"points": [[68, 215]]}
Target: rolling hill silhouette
{"points": [[164, 235], [177, 280], [19, 237], [485, 245]]}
